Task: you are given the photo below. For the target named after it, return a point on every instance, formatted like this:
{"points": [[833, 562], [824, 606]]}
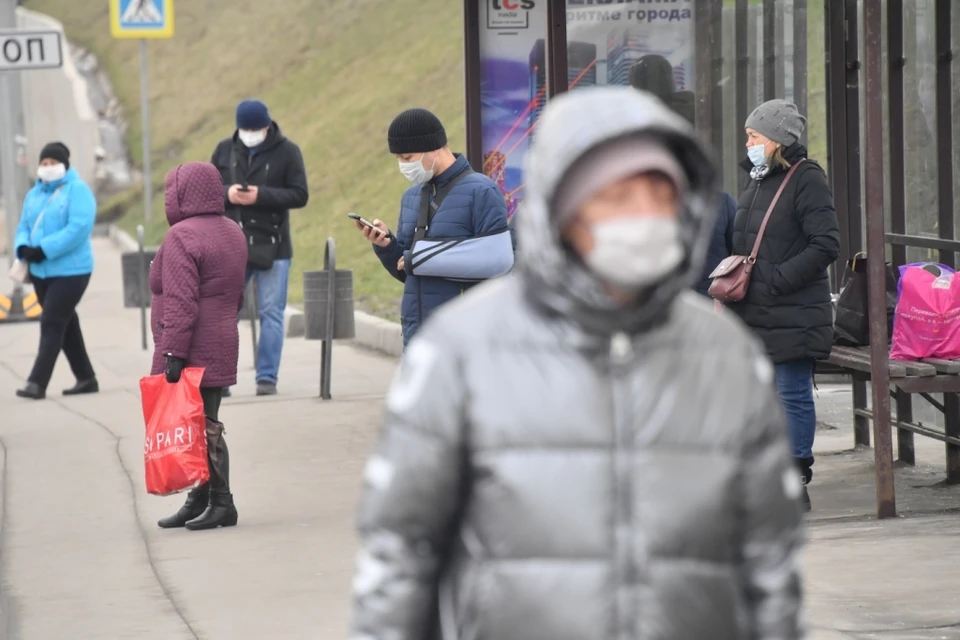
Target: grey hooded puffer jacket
{"points": [[556, 468]]}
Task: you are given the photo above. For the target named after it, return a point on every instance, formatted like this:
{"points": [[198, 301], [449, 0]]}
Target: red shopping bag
{"points": [[927, 320], [175, 447]]}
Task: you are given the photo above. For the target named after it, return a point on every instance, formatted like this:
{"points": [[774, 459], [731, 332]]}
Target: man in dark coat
{"points": [[264, 176], [453, 230], [197, 282]]}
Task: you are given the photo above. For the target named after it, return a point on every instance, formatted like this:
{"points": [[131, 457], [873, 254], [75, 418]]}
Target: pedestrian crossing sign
{"points": [[141, 18]]}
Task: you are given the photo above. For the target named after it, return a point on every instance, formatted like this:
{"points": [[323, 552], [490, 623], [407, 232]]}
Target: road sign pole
{"points": [[8, 162], [145, 117], [9, 112]]}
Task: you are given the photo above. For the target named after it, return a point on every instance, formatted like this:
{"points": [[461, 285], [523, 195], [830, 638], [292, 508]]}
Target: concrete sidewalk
{"points": [[81, 557]]}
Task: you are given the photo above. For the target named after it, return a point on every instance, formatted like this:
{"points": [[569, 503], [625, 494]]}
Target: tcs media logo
{"points": [[509, 14]]}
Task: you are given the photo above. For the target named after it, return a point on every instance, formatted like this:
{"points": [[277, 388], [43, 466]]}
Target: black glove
{"points": [[31, 254], [174, 368]]}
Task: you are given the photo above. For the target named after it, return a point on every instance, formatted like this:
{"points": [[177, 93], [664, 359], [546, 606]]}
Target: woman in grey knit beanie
{"points": [[788, 301]]}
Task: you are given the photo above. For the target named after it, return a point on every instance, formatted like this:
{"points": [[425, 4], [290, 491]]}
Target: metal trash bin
{"points": [[316, 298], [130, 270]]}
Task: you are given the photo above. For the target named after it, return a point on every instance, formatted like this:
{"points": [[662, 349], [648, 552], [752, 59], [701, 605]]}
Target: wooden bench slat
{"points": [[917, 368], [858, 359], [949, 367]]}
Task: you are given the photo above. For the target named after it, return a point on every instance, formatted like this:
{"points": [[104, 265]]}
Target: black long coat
{"points": [[788, 302]]}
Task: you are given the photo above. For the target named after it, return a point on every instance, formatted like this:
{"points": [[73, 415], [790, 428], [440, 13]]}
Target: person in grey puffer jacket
{"points": [[584, 450]]}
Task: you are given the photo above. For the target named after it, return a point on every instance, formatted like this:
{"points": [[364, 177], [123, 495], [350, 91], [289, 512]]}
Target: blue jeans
{"points": [[795, 388], [271, 303]]}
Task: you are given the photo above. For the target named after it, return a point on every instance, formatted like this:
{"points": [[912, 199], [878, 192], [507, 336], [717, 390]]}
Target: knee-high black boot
{"points": [[220, 511], [197, 501]]}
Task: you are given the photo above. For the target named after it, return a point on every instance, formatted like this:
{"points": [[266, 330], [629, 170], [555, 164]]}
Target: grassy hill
{"points": [[334, 73]]}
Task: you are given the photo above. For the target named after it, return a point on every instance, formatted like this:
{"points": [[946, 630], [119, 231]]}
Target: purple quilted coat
{"points": [[197, 278]]}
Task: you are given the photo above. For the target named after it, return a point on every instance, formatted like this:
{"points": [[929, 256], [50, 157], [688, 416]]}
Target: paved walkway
{"points": [[81, 557]]}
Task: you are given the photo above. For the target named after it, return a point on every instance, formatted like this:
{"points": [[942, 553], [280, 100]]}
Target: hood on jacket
{"points": [[193, 189], [70, 176], [573, 124]]}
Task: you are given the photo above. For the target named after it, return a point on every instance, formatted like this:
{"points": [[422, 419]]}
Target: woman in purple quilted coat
{"points": [[197, 284]]}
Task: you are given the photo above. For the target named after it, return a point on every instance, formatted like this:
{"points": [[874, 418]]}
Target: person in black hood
{"points": [[788, 302], [264, 178], [654, 74]]}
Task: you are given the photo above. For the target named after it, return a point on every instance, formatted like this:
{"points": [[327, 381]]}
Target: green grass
{"points": [[334, 73]]}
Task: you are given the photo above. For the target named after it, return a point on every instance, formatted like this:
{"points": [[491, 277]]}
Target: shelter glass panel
{"points": [[513, 87], [920, 123]]}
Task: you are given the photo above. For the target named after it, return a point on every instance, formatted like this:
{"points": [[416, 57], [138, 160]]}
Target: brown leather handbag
{"points": [[731, 278]]}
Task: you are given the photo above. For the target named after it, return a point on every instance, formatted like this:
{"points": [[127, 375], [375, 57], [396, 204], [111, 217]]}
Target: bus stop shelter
{"points": [[875, 78]]}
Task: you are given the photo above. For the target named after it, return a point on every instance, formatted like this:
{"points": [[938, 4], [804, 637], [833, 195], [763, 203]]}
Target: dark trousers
{"points": [[60, 328]]}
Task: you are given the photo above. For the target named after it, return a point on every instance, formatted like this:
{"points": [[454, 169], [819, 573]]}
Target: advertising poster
{"points": [[604, 40]]}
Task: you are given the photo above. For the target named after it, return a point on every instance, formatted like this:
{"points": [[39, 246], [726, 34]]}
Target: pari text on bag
{"points": [[175, 443]]}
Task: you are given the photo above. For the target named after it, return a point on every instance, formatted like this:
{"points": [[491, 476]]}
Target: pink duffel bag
{"points": [[927, 320]]}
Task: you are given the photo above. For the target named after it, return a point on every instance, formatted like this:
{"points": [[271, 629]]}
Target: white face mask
{"points": [[252, 138], [632, 253], [757, 154], [414, 171], [52, 172]]}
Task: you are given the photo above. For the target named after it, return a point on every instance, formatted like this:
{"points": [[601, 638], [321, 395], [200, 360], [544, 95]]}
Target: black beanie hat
{"points": [[56, 151], [416, 131]]}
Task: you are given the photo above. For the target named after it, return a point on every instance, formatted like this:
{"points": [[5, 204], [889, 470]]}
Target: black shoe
{"points": [[266, 389], [219, 513], [225, 393], [82, 387], [195, 505], [32, 391]]}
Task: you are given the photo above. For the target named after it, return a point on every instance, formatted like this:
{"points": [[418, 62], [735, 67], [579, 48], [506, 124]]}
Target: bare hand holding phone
{"points": [[376, 232]]}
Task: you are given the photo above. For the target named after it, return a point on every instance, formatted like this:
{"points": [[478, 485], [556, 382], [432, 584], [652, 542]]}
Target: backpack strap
{"points": [[430, 205]]}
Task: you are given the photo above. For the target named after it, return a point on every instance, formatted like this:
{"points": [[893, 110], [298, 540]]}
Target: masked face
{"points": [[759, 148], [634, 252], [252, 138], [51, 172], [414, 171], [628, 233]]}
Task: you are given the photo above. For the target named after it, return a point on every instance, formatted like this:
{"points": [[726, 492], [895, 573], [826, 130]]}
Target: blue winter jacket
{"points": [[467, 241], [58, 217], [720, 241]]}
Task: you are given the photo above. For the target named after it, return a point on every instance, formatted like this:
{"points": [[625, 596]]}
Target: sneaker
{"points": [[266, 389]]}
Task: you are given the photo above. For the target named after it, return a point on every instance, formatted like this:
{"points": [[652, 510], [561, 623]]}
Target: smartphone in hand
{"points": [[361, 220]]}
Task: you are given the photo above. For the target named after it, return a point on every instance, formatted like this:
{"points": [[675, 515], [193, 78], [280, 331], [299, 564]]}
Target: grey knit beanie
{"points": [[778, 120]]}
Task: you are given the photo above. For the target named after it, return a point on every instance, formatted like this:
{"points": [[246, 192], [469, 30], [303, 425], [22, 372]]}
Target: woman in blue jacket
{"points": [[53, 238]]}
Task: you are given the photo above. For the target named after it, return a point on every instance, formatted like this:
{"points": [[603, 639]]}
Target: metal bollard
{"points": [[144, 289], [326, 348]]}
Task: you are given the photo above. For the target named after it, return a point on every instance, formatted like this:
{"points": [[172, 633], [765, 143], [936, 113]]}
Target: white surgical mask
{"points": [[414, 171], [635, 252], [757, 154], [252, 138], [51, 172]]}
